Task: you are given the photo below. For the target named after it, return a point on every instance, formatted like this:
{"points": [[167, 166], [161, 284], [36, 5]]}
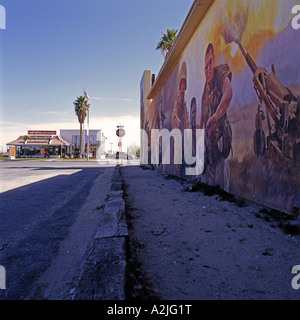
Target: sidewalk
{"points": [[188, 245]]}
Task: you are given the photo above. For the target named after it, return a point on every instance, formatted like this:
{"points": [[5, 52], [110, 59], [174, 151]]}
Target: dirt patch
{"points": [[138, 286], [203, 244]]}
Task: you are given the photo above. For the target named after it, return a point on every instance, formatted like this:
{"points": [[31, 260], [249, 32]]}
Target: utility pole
{"points": [[88, 124], [88, 134]]}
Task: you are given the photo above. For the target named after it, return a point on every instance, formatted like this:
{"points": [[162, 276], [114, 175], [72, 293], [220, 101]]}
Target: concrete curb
{"points": [[104, 274]]}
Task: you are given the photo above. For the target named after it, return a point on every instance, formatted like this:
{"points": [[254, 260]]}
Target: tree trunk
{"points": [[80, 150]]}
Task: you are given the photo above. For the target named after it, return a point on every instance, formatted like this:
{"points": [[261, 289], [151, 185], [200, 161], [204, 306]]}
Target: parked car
{"points": [[122, 155], [110, 156]]}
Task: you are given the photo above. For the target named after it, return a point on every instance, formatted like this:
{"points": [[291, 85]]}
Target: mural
{"points": [[239, 80]]}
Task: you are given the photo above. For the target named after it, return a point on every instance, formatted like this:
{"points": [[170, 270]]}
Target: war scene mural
{"points": [[238, 79]]}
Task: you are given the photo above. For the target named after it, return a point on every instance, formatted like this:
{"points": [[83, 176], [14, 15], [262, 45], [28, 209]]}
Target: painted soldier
{"points": [[216, 97], [180, 119]]}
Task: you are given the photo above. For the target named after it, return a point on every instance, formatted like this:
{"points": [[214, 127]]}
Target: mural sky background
{"points": [[264, 34]]}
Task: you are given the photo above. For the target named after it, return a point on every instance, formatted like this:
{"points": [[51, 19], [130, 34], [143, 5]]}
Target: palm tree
{"points": [[166, 41], [81, 107]]}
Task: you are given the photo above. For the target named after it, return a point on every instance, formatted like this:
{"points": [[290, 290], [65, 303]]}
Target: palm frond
{"points": [[81, 107], [166, 41]]}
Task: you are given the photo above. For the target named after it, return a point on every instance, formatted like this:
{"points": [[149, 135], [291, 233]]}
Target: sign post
{"points": [[120, 133]]}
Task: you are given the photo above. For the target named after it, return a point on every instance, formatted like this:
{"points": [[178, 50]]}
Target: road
{"points": [[49, 213]]}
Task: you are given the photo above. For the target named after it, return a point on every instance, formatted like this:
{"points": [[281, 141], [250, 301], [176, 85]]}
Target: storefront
{"points": [[38, 144]]}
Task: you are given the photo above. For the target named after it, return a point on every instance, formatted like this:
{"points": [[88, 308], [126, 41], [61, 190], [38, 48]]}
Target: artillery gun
{"points": [[283, 114]]}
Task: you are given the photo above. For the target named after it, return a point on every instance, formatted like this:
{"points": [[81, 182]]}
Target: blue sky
{"points": [[51, 48]]}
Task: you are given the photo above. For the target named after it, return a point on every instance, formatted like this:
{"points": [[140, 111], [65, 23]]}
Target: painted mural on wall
{"points": [[239, 80]]}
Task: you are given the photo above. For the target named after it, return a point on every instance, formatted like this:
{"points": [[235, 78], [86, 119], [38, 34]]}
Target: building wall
{"points": [[260, 144], [68, 134]]}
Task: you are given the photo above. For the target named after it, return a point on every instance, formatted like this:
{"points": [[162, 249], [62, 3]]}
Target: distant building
{"points": [[41, 144], [38, 144], [96, 138]]}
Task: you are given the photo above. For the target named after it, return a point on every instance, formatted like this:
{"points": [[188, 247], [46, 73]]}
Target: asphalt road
{"points": [[48, 218]]}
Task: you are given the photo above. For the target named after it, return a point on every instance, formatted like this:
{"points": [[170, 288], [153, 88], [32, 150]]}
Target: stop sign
{"points": [[120, 133]]}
